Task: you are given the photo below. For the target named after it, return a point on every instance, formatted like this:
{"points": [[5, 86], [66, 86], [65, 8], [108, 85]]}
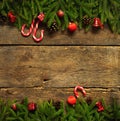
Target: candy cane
{"points": [[35, 31], [30, 30], [80, 89]]}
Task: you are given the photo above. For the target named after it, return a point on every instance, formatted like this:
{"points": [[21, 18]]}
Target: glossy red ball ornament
{"points": [[71, 100], [72, 26], [31, 106], [60, 13], [14, 107]]}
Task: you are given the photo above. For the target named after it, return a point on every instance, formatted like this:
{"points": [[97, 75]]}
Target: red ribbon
{"points": [[12, 17], [99, 106]]}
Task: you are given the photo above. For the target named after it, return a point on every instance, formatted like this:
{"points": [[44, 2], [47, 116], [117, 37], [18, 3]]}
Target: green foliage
{"points": [[4, 107], [112, 112], [83, 111], [74, 10], [46, 111]]}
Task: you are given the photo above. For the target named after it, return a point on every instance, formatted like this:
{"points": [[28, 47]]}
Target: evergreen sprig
{"points": [[46, 111], [74, 10]]}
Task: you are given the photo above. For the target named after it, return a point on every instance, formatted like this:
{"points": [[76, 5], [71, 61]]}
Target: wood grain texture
{"points": [[102, 37], [59, 66], [41, 94], [44, 72]]}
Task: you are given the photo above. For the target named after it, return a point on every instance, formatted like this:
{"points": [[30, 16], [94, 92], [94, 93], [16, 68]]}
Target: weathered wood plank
{"points": [[11, 35], [40, 94], [60, 66]]}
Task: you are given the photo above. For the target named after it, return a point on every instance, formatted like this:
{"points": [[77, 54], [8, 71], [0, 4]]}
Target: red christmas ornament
{"points": [[71, 100], [32, 106], [97, 23], [14, 107], [60, 13], [12, 17], [72, 26], [99, 106]]}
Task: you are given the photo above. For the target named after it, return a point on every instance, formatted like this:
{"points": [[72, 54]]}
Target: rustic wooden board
{"points": [[44, 72], [41, 94], [11, 35], [60, 66]]}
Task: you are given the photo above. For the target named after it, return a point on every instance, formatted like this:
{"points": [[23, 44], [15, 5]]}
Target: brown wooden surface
{"points": [[57, 68], [39, 93], [63, 61], [11, 35]]}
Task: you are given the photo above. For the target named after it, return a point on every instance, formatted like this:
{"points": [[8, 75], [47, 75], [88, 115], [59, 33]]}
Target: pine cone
{"points": [[89, 100], [53, 27], [86, 21], [57, 105], [3, 19]]}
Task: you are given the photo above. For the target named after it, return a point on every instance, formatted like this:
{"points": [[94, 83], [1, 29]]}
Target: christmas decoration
{"points": [[70, 11], [14, 107], [46, 111], [56, 104], [99, 106], [53, 27], [72, 26], [86, 21], [80, 89], [34, 27], [60, 111], [31, 106], [60, 14], [89, 100], [3, 19], [71, 100], [12, 17], [97, 23]]}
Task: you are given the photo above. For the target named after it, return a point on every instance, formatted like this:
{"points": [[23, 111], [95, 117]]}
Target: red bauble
{"points": [[72, 26], [60, 13], [14, 107], [32, 106], [71, 100]]}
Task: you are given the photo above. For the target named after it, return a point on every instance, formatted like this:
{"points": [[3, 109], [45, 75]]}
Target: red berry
{"points": [[71, 100], [72, 27], [14, 107], [60, 13], [31, 106]]}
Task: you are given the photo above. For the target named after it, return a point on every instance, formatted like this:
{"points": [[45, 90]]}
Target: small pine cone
{"points": [[53, 27], [89, 100], [3, 19], [57, 105], [86, 20]]}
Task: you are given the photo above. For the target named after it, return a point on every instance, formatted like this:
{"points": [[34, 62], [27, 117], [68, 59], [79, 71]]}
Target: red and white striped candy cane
{"points": [[80, 89]]}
